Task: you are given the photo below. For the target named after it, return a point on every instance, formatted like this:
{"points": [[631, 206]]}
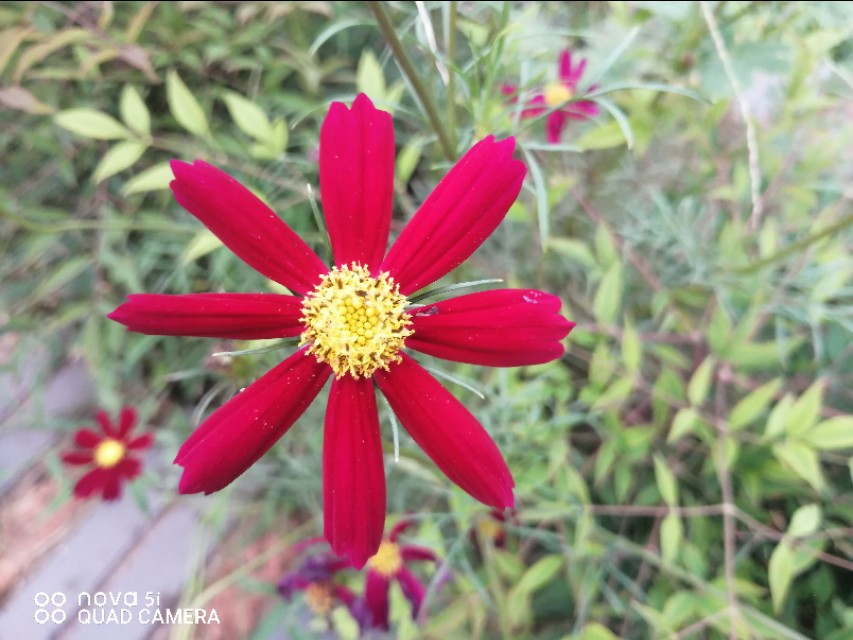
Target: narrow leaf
{"points": [[90, 123]]}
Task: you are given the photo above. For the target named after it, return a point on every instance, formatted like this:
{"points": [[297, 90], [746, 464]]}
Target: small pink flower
{"points": [[109, 453], [555, 94]]}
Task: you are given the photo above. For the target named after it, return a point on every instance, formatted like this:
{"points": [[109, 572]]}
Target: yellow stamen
{"points": [[355, 323], [489, 528], [388, 559], [319, 597], [556, 94], [109, 453]]}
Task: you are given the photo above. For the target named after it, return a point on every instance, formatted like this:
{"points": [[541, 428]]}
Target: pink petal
{"points": [[242, 316], [244, 429], [398, 529], [535, 107], [128, 468], [376, 595], [127, 418], [112, 485], [357, 180], [447, 432], [414, 553], [77, 457], [87, 438], [106, 424], [353, 471], [581, 110], [554, 126], [413, 589], [567, 74], [90, 483], [246, 225], [141, 442], [461, 212], [501, 328]]}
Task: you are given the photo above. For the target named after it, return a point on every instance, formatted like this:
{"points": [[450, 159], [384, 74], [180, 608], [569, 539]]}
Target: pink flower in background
{"points": [[555, 94], [109, 453], [355, 321]]}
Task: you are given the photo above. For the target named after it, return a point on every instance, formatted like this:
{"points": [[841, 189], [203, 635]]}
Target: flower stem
{"points": [[387, 29], [450, 39]]}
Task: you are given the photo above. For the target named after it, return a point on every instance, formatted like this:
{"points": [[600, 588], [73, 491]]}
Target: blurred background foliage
{"points": [[685, 470]]}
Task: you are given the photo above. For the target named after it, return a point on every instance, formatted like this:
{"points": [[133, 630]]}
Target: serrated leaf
{"points": [[93, 124], [753, 405], [539, 575], [248, 116], [805, 521], [700, 382], [369, 77], [118, 158], [632, 349], [665, 479], [134, 113], [802, 460], [804, 413], [152, 179], [608, 297], [683, 424], [202, 243], [671, 536], [184, 106], [835, 433], [780, 574]]}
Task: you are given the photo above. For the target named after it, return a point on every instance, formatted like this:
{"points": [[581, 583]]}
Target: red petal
{"points": [[357, 180], [414, 553], [106, 424], [244, 429], [536, 106], [77, 457], [246, 225], [87, 438], [462, 211], [413, 589], [141, 442], [447, 432], [127, 418], [353, 471], [567, 74], [90, 483], [242, 316], [501, 328], [554, 126], [128, 468], [376, 595], [112, 485]]}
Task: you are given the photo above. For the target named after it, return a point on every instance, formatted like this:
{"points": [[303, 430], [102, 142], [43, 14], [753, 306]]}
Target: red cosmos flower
{"points": [[316, 577], [109, 453], [354, 321], [389, 564], [556, 94]]}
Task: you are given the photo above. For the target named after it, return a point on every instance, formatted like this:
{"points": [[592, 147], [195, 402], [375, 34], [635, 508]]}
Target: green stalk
{"points": [[451, 71], [387, 30]]}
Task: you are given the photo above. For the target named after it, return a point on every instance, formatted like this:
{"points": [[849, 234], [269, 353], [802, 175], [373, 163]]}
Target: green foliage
{"points": [[686, 467]]}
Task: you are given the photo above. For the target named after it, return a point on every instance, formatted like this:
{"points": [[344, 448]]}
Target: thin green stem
{"points": [[387, 29], [451, 70]]}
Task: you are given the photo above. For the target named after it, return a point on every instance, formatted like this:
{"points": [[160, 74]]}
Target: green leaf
{"points": [[671, 536], [606, 136], [802, 460], [152, 179], [683, 424], [605, 247], [700, 382], [835, 433], [202, 243], [59, 279], [804, 413], [805, 521], [719, 330], [775, 426], [248, 116], [594, 631], [615, 395], [572, 249], [369, 78], [632, 349], [608, 297], [539, 575], [184, 107], [541, 190], [118, 158], [752, 406], [666, 482], [93, 124], [780, 573], [408, 158], [134, 112]]}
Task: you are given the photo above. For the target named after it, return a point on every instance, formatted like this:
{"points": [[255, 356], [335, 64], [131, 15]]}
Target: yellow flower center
{"points": [[109, 453], [355, 323], [556, 94], [489, 528], [388, 559], [319, 597]]}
